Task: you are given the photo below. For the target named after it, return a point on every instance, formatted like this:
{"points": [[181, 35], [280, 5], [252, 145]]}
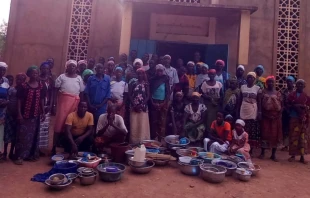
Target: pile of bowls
{"points": [[87, 176], [141, 167], [208, 156], [92, 163], [212, 173], [187, 153], [58, 181], [129, 154], [152, 144], [229, 165], [72, 176], [57, 158], [243, 174], [174, 141], [254, 168], [111, 172]]}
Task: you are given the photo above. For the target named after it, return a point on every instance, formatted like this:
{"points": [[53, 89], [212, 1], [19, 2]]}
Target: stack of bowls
{"points": [[111, 172], [141, 167], [212, 173], [58, 181], [243, 174], [229, 165], [87, 176], [254, 168]]}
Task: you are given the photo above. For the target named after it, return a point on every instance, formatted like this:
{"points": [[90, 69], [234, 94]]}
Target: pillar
{"points": [[215, 2], [244, 37], [126, 28]]}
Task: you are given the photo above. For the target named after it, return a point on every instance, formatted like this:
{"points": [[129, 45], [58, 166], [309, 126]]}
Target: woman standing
{"points": [[139, 95], [299, 104], [260, 81], [118, 87], [240, 78], [221, 75], [4, 87], [68, 87], [211, 93], [160, 91], [49, 85], [203, 76], [231, 98], [132, 76], [31, 97], [82, 66], [194, 118], [250, 109], [271, 118], [191, 76], [175, 116], [290, 81]]}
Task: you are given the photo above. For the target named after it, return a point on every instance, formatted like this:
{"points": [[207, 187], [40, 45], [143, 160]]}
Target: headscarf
{"points": [[138, 60], [260, 67], [252, 74], [205, 65], [167, 56], [119, 68], [22, 75], [241, 122], [70, 62], [228, 116], [111, 59], [179, 93], [196, 94], [45, 63], [291, 78], [82, 62], [301, 81], [29, 70], [160, 66], [212, 71], [233, 79], [220, 63], [270, 78], [191, 62], [241, 67], [87, 72], [3, 64]]}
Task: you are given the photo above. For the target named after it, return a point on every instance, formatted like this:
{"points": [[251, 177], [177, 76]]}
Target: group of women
{"points": [[155, 100]]}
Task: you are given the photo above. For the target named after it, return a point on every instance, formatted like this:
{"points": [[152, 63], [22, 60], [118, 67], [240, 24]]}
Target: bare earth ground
{"points": [[282, 179]]}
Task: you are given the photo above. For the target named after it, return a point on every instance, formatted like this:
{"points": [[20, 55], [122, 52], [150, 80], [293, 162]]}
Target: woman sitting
{"points": [[194, 118], [240, 140], [218, 139]]}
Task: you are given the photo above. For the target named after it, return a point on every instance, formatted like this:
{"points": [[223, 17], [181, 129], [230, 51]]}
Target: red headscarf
{"points": [[220, 63], [212, 71]]}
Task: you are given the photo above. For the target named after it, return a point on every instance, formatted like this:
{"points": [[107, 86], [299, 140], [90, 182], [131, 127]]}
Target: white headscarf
{"points": [[160, 66], [191, 62], [241, 67], [71, 62], [138, 60], [241, 122], [82, 62], [3, 64], [167, 56]]}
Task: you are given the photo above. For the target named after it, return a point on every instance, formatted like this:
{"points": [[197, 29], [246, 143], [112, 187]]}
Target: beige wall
{"points": [[37, 31]]}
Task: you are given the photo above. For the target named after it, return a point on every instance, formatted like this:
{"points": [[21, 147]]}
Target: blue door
{"points": [[143, 46], [215, 52]]}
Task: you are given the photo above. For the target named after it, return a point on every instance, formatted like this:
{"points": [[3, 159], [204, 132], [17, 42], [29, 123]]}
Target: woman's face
{"points": [[289, 83], [2, 71], [34, 74], [204, 70], [11, 80], [233, 84], [20, 79], [111, 65], [167, 61], [238, 127], [270, 84], [300, 87], [152, 64], [137, 66], [140, 75], [178, 97], [250, 80], [71, 68], [259, 71], [219, 117], [239, 72], [211, 76], [119, 74], [159, 72], [45, 69], [123, 57], [82, 67], [190, 68], [195, 99]]}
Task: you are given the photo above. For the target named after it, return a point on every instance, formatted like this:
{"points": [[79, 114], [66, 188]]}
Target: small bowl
{"points": [[72, 176], [56, 158], [136, 164], [144, 169], [88, 180], [161, 162], [80, 170], [243, 174], [87, 172], [58, 187], [185, 159], [57, 179], [254, 168]]}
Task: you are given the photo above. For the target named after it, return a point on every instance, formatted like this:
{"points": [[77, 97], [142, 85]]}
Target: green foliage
{"points": [[3, 30]]}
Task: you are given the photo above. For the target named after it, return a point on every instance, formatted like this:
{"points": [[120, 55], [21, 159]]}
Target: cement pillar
{"points": [[215, 2], [126, 28], [244, 37]]}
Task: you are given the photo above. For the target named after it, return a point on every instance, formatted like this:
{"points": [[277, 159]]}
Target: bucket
{"points": [[118, 151]]}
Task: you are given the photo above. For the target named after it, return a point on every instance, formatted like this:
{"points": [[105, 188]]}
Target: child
{"points": [[240, 143], [11, 115]]}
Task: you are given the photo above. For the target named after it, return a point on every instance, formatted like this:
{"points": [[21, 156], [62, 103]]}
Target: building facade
{"points": [[273, 33]]}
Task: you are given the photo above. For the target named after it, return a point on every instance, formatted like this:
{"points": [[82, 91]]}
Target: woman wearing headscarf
{"points": [[127, 68], [271, 118], [139, 94], [111, 67], [203, 76], [175, 116], [260, 80], [211, 91], [191, 77], [49, 84], [250, 109], [194, 118], [299, 104], [82, 65], [118, 89], [290, 81], [239, 144], [240, 75], [68, 87], [86, 74], [231, 98], [31, 96], [4, 88], [160, 91], [132, 76], [221, 75]]}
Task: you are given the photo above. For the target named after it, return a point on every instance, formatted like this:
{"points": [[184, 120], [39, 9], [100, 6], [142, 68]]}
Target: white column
{"points": [[126, 28]]}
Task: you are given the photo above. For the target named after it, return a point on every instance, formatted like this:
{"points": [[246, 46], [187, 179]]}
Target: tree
{"points": [[3, 31]]}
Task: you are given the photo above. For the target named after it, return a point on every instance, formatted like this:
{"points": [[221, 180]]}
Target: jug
{"points": [[139, 154]]}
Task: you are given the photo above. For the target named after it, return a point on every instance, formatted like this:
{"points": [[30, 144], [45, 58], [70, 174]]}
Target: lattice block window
{"points": [[79, 29], [288, 41], [185, 1]]}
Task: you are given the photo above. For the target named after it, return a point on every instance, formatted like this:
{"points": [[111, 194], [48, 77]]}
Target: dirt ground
{"points": [[282, 179]]}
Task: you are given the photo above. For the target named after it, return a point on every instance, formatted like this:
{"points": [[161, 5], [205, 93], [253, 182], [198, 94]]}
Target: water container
{"points": [[139, 154]]}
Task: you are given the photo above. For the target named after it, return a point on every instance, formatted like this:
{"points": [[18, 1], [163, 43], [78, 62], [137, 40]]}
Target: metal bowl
{"points": [[254, 168], [206, 158], [57, 158], [153, 144], [229, 165], [110, 176], [161, 162], [88, 180], [136, 164], [72, 176], [144, 169], [58, 187], [186, 153], [246, 176], [129, 154], [57, 179], [187, 169], [171, 141], [212, 173]]}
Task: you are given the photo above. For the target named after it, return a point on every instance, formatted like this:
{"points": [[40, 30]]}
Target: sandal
{"points": [[291, 159], [18, 162]]}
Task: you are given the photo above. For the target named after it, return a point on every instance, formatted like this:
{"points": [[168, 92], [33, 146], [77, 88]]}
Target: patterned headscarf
{"points": [[82, 62], [212, 71], [252, 74], [69, 62], [118, 69], [196, 94], [301, 81], [87, 72], [220, 63], [260, 67], [160, 66], [291, 78], [3, 64], [30, 69], [138, 60], [270, 78]]}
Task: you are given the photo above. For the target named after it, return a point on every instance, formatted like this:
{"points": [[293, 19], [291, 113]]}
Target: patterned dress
{"points": [[4, 87]]}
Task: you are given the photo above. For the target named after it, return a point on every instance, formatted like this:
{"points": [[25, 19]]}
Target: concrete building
{"points": [[250, 32]]}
